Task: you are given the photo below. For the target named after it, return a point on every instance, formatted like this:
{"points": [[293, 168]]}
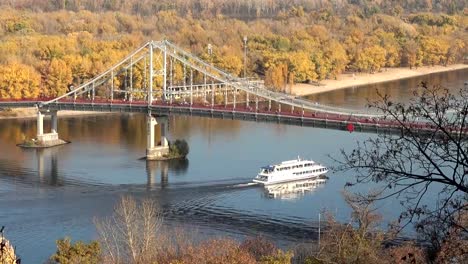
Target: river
{"points": [[52, 193]]}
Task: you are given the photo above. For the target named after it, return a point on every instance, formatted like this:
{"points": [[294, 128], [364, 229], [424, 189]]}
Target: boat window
{"points": [[267, 170]]}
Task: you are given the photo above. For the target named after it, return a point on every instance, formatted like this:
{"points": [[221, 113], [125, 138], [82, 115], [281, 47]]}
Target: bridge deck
{"points": [[297, 117]]}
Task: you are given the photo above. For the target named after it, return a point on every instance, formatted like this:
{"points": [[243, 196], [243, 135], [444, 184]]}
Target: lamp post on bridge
{"points": [[245, 56], [210, 50], [245, 71], [210, 53]]}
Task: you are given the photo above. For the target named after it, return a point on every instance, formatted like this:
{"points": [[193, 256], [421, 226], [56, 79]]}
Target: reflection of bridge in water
{"points": [[48, 171], [175, 166], [161, 79], [51, 158]]}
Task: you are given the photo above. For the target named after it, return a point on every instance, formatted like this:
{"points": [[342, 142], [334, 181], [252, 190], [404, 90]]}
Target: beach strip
{"points": [[31, 112], [348, 80]]}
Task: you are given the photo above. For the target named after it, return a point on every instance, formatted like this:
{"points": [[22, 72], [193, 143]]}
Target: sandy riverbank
{"points": [[347, 80], [30, 112]]}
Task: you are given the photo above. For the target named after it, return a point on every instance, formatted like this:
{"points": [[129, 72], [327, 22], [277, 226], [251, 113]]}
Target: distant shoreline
{"points": [[31, 112], [349, 80]]}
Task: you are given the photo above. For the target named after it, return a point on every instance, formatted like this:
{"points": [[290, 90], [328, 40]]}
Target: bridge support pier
{"points": [[47, 139], [156, 151]]}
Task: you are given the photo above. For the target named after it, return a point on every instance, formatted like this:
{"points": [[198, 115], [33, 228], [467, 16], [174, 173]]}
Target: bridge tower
{"points": [[51, 138], [156, 151]]}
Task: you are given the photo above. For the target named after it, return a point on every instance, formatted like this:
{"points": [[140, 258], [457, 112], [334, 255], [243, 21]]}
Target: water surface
{"points": [[51, 193]]}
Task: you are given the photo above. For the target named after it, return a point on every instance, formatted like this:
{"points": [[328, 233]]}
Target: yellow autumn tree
{"points": [[57, 77], [18, 81], [230, 63], [337, 58], [392, 47], [80, 67], [456, 51], [410, 53], [276, 76], [371, 59], [302, 66], [434, 50]]}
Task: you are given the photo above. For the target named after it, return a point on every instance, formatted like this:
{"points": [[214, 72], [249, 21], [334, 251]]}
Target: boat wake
{"points": [[243, 185]]}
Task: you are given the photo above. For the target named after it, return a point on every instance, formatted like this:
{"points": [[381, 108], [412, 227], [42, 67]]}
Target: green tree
{"points": [[179, 148], [79, 252]]}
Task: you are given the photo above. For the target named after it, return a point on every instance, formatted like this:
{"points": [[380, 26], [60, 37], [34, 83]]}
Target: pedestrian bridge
{"points": [[160, 78]]}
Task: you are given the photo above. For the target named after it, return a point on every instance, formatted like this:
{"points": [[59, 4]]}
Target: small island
{"points": [[178, 149], [35, 143]]}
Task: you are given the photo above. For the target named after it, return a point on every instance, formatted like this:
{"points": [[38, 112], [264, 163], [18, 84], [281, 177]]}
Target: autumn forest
{"points": [[48, 46]]}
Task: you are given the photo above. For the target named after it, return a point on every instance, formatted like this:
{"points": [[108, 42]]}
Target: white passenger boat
{"points": [[291, 170]]}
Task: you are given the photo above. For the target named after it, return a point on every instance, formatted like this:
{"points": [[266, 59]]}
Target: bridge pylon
{"points": [[51, 138], [161, 149]]}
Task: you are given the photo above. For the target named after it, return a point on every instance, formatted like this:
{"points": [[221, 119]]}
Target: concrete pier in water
{"points": [[156, 151], [51, 138]]}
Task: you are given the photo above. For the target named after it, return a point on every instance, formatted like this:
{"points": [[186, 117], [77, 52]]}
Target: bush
{"points": [[179, 148], [68, 253], [279, 258], [216, 251], [29, 142], [259, 247]]}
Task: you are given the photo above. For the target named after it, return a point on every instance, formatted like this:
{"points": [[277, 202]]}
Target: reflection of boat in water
{"points": [[294, 189], [291, 170]]}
